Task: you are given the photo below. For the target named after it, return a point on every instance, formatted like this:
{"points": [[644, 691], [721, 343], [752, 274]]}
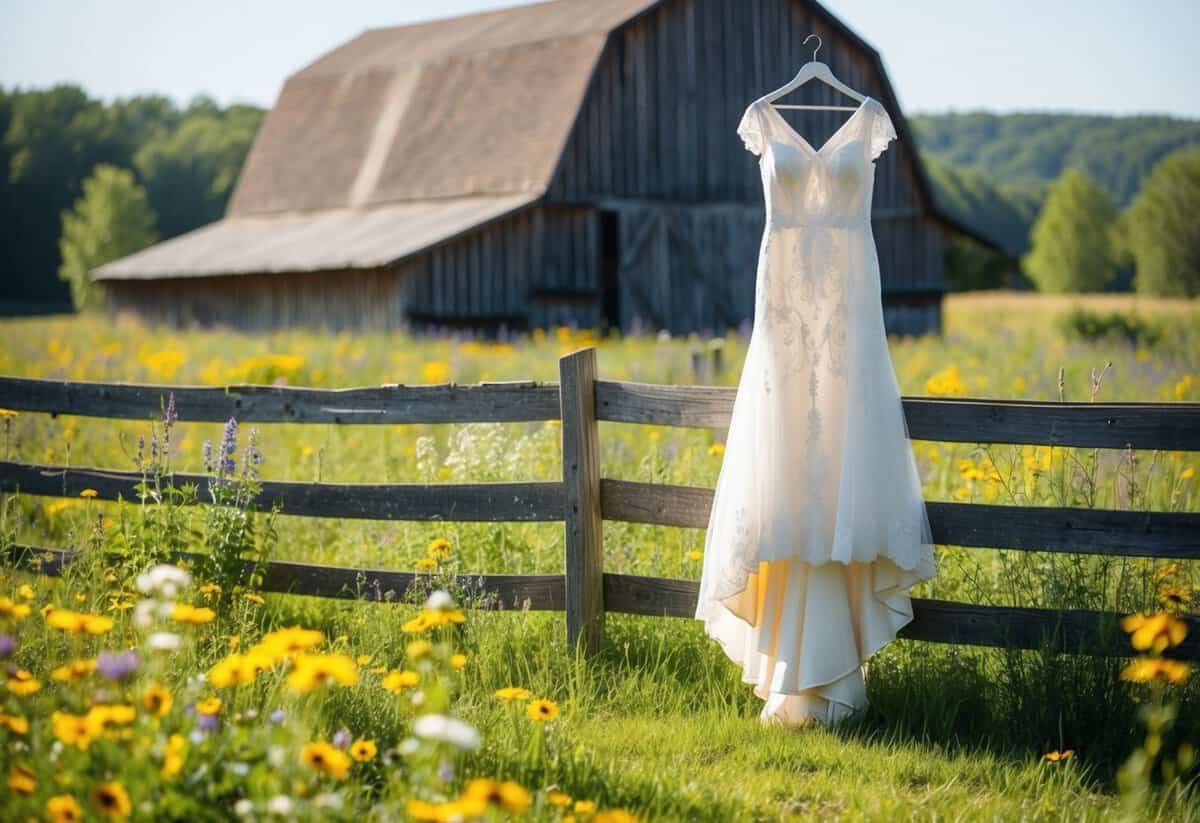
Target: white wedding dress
{"points": [[818, 525]]}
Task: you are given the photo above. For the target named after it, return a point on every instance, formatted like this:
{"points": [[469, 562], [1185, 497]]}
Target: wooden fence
{"points": [[582, 500]]}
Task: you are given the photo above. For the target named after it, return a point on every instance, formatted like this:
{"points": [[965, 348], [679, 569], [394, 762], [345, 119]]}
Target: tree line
{"points": [[74, 169]]}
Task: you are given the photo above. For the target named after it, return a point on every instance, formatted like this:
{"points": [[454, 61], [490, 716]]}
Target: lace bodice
{"points": [[830, 185]]}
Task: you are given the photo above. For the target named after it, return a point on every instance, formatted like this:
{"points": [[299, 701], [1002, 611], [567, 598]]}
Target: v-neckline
{"points": [[837, 132]]}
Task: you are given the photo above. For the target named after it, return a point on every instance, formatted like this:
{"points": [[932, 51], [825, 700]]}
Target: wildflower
{"points": [[209, 705], [458, 661], [7, 646], [342, 738], [100, 718], [508, 794], [233, 641], [21, 780], [164, 641], [313, 670], [426, 564], [64, 809], [157, 700], [22, 683], [614, 816], [239, 668], [557, 798], [363, 750], [511, 693], [13, 612], [26, 591], [210, 590], [75, 670], [284, 643], [1145, 669], [446, 730], [256, 599], [716, 449], [325, 759], [418, 649], [89, 494], [280, 805], [363, 659], [1059, 757], [584, 806], [399, 681], [79, 623], [438, 549], [1154, 632], [173, 756], [1174, 596], [164, 580], [118, 665], [72, 729], [695, 554], [111, 800], [197, 616], [15, 724], [541, 710]]}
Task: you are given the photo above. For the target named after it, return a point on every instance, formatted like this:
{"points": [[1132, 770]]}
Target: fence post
{"points": [[582, 524]]}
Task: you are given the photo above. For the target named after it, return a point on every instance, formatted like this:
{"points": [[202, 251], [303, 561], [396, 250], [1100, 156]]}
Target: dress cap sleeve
{"points": [[750, 130], [882, 130]]}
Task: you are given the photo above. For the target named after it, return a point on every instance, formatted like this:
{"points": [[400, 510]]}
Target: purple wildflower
{"points": [[227, 464], [278, 716], [342, 738], [7, 646], [446, 771], [118, 665], [170, 416], [208, 722], [207, 452]]}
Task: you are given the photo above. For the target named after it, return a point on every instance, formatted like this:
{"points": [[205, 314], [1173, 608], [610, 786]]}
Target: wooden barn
{"points": [[565, 163]]}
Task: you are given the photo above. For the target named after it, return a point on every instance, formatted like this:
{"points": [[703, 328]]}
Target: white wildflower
{"points": [[439, 599], [164, 641], [446, 729], [164, 580], [280, 805]]}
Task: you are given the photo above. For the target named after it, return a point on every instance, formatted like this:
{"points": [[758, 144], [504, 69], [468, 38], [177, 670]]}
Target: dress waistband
{"points": [[780, 221]]}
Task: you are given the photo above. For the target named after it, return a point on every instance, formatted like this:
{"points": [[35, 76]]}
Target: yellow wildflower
{"points": [[111, 800], [511, 693], [26, 591], [72, 729], [584, 806], [15, 724], [556, 798], [426, 564], [21, 780], [173, 756], [256, 599], [418, 649], [510, 795], [326, 759], [89, 494], [439, 549], [541, 710], [1154, 632], [12, 611], [77, 622], [1144, 669], [75, 670], [64, 809], [458, 661], [313, 670], [1059, 757], [363, 750], [157, 700], [22, 683], [399, 681], [197, 616], [209, 705]]}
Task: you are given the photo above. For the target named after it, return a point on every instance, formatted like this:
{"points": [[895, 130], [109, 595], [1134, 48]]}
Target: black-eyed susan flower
{"points": [[1145, 669], [21, 780], [1154, 632], [72, 729], [12, 612], [157, 700], [23, 683], [439, 549], [1059, 757], [313, 670], [64, 809], [73, 622], [194, 615], [209, 705], [111, 800], [327, 759], [399, 681], [363, 750], [74, 670], [511, 693], [541, 710], [1175, 596], [507, 794], [14, 724]]}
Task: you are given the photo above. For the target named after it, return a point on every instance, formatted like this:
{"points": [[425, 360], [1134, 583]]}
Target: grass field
{"points": [[660, 725]]}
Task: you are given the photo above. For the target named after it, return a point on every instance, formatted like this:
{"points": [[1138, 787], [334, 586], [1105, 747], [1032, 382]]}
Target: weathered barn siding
{"points": [[657, 132]]}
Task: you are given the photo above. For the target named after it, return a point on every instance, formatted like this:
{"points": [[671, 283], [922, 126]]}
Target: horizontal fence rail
{"points": [[583, 499], [463, 502], [497, 402], [1173, 426]]}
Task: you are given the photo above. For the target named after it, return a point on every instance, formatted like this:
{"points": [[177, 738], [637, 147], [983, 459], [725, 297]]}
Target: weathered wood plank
{"points": [[936, 621], [974, 525], [1089, 425], [513, 401], [582, 523], [543, 592], [459, 502]]}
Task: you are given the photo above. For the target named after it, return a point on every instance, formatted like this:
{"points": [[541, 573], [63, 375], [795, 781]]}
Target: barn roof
{"points": [[415, 131]]}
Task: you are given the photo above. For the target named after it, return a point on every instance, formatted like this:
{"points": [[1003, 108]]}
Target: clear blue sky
{"points": [[1104, 56]]}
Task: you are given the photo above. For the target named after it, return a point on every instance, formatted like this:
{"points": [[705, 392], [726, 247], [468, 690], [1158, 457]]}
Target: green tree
{"points": [[1161, 228], [113, 218], [1071, 245]]}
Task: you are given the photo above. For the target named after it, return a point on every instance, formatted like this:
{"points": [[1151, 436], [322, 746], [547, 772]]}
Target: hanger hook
{"points": [[804, 42]]}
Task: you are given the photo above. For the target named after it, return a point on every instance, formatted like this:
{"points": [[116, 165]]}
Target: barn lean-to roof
{"points": [[420, 133]]}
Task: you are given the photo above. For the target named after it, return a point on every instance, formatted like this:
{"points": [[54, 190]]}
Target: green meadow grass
{"points": [[660, 723]]}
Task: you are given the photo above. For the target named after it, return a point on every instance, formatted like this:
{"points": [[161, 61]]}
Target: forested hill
{"points": [[992, 170]]}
